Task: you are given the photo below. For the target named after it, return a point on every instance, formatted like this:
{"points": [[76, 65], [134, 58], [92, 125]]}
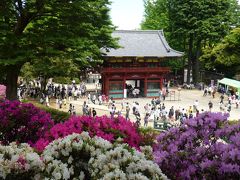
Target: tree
{"points": [[156, 15], [226, 52], [224, 56], [194, 24], [49, 68], [31, 30]]}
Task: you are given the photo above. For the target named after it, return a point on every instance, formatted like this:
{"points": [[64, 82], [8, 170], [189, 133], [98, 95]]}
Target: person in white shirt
{"points": [[100, 99], [89, 97], [123, 104], [47, 101], [94, 99], [75, 94], [195, 106], [157, 113]]}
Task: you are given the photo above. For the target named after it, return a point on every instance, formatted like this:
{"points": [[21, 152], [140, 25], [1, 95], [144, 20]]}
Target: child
{"points": [[70, 109], [94, 113], [146, 120], [73, 110]]}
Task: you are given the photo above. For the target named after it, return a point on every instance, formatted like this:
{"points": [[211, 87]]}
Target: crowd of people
{"points": [[155, 111], [232, 98], [61, 93]]}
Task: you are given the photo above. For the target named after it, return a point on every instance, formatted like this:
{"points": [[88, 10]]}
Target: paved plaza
{"points": [[183, 99]]}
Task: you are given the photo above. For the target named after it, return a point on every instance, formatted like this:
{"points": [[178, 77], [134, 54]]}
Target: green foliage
{"points": [[49, 68], [175, 64], [2, 75], [65, 80], [52, 34], [56, 115], [73, 29], [156, 15], [148, 136], [233, 122], [226, 52], [27, 72], [191, 25]]}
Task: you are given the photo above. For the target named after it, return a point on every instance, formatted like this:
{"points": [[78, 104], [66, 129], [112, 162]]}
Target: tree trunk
{"points": [[12, 72], [184, 59], [190, 49], [44, 84], [196, 63]]}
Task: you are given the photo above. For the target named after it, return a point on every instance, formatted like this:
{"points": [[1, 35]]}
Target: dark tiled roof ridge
{"points": [[138, 31], [147, 43], [160, 33], [165, 43]]}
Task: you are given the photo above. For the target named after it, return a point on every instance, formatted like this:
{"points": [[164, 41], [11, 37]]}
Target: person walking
{"points": [[47, 101], [197, 113], [205, 92], [69, 95], [94, 113], [195, 105], [90, 112], [160, 94], [93, 98], [75, 94], [100, 100], [146, 120], [229, 108], [73, 110], [237, 101], [89, 98], [210, 105], [171, 113], [60, 103], [164, 94], [127, 111], [70, 109], [214, 92], [84, 108], [221, 99], [112, 112]]}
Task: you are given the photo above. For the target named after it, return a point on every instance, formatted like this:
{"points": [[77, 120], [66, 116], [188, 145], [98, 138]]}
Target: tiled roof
{"points": [[142, 43]]}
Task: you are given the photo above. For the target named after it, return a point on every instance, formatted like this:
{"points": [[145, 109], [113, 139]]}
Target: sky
{"points": [[127, 14]]}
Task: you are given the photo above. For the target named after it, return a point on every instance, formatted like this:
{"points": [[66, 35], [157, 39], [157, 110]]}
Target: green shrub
{"points": [[56, 115], [233, 122], [230, 122], [148, 136]]}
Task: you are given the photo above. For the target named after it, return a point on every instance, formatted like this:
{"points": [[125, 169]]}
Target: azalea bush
{"points": [[22, 122], [104, 127], [205, 147], [78, 156], [19, 161], [81, 157]]}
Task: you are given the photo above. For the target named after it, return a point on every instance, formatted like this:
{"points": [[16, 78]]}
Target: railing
{"points": [[136, 69]]}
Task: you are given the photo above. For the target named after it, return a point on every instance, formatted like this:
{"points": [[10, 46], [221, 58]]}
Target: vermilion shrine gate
{"points": [[141, 61]]}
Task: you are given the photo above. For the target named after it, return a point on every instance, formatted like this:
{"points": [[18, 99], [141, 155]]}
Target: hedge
{"points": [[57, 116]]}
